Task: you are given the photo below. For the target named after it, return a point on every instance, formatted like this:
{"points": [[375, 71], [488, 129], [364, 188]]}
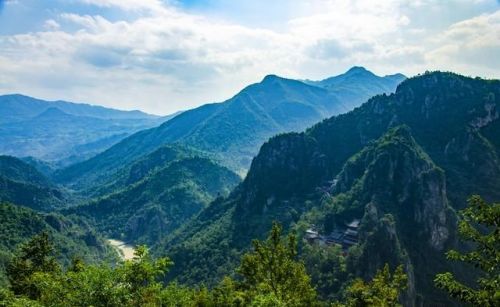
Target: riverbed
{"points": [[125, 250]]}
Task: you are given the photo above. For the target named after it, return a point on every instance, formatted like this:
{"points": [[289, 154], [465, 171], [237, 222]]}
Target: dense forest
{"points": [[270, 274]]}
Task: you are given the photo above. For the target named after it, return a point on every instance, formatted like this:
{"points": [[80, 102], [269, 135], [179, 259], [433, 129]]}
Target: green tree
{"points": [[35, 256], [327, 267], [382, 290], [272, 272], [479, 225]]}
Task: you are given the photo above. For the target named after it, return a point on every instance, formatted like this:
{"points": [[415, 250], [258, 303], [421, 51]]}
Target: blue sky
{"points": [[162, 56]]}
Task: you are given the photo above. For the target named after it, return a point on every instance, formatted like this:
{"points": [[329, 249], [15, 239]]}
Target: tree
{"points": [[35, 256], [272, 273], [327, 267], [142, 276], [382, 290], [479, 225]]}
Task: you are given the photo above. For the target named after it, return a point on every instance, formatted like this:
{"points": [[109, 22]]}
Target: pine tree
{"points": [[35, 256], [479, 225]]}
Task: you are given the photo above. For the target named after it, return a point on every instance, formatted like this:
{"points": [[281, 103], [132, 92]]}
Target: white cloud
{"points": [[51, 25], [130, 5], [165, 59]]}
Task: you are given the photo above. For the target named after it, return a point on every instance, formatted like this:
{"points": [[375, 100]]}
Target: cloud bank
{"points": [[163, 56]]}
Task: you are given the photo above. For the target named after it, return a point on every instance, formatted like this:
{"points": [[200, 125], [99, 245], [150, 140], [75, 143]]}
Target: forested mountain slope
{"points": [[72, 236], [400, 163], [235, 129], [157, 194], [22, 184]]}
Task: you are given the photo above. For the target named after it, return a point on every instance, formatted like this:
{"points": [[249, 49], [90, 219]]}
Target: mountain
{"points": [[358, 84], [401, 164], [72, 236], [62, 132], [234, 130], [16, 107], [22, 184], [159, 193]]}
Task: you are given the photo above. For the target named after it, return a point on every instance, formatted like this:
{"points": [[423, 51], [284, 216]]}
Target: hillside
{"points": [[402, 183], [22, 184], [72, 236], [62, 132], [159, 196], [234, 130]]}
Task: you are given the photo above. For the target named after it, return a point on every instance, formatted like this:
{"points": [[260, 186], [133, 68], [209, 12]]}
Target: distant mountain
{"points": [[16, 107], [401, 164], [234, 130], [358, 84], [22, 184], [72, 236], [157, 194], [62, 132]]}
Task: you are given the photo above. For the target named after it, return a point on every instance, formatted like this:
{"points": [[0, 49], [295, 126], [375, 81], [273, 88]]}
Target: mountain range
{"points": [[385, 162], [61, 132], [232, 131], [401, 164]]}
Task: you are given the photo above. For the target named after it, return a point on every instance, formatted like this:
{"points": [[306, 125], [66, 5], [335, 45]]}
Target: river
{"points": [[126, 251]]}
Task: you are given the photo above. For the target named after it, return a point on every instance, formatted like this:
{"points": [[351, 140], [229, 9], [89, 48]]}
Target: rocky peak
{"points": [[396, 176]]}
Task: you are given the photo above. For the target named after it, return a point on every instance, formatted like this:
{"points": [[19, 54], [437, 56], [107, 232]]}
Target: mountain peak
{"points": [[358, 70], [52, 112], [271, 77]]}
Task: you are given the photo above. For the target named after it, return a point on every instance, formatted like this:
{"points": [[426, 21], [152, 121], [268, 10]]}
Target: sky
{"points": [[161, 56]]}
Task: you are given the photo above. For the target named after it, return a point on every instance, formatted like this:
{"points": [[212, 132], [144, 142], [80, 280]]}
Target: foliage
{"points": [[269, 275], [167, 196], [272, 269], [35, 257], [22, 184], [327, 267], [479, 225], [70, 235], [383, 290]]}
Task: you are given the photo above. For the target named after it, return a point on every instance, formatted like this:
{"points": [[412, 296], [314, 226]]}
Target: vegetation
{"points": [[22, 184], [381, 164], [383, 290], [403, 182], [269, 275], [479, 225], [71, 236], [235, 129], [160, 202]]}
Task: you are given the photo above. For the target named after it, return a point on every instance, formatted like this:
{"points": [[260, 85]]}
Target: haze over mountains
{"points": [[232, 131], [62, 132]]}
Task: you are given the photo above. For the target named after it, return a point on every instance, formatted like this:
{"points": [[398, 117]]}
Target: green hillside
{"points": [[160, 196], [234, 130], [403, 184], [22, 184], [72, 236]]}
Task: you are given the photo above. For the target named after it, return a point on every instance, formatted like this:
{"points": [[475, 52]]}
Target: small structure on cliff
{"points": [[346, 237]]}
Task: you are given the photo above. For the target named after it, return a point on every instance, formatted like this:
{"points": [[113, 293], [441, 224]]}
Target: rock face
{"points": [[395, 176]]}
